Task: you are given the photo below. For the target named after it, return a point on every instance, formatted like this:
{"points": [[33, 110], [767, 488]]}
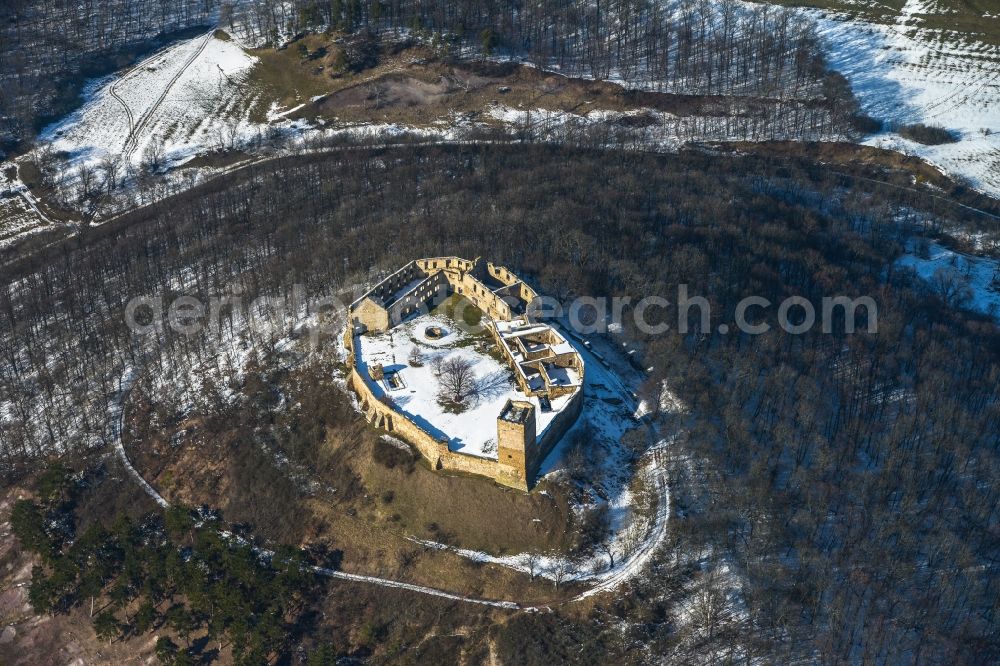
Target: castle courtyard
{"points": [[414, 390], [445, 356]]}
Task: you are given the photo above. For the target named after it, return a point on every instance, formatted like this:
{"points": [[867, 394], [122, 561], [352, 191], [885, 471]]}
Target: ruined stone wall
{"points": [[501, 273], [477, 292], [370, 315], [417, 299], [520, 475], [464, 276], [461, 275], [396, 281], [563, 421], [431, 264], [509, 278], [391, 420], [461, 462], [384, 416]]}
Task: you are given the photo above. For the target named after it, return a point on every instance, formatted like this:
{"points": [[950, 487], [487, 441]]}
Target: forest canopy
{"points": [[846, 458]]}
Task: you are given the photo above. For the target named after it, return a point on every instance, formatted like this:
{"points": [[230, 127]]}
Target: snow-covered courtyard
{"points": [[407, 356]]}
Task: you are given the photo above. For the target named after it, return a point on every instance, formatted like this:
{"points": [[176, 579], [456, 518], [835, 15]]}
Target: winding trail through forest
{"points": [[637, 559], [117, 410]]}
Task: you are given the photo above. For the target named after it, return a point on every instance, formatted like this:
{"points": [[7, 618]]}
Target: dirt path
{"points": [[128, 111], [384, 582], [113, 90], [630, 565], [117, 413], [627, 569], [144, 121], [250, 162]]}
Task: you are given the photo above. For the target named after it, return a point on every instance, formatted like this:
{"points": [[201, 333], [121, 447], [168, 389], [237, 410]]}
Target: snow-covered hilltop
{"points": [[905, 74], [183, 100]]}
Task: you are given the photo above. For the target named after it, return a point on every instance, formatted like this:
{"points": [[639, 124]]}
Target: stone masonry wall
{"points": [[437, 453], [458, 273]]}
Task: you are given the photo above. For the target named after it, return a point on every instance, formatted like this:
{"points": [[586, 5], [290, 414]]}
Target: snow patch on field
{"points": [[904, 75], [183, 96], [274, 113], [980, 276], [19, 213]]}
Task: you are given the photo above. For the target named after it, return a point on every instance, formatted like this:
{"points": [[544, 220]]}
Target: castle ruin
{"points": [[544, 400]]}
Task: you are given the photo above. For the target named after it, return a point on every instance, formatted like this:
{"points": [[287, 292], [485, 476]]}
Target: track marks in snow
{"points": [[904, 74], [136, 128]]}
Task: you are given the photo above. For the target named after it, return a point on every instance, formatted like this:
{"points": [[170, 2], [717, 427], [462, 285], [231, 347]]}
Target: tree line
{"points": [[710, 48], [702, 48]]}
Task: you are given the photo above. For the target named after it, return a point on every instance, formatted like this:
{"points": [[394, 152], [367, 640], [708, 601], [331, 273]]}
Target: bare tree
{"points": [[48, 165], [561, 571], [576, 463], [605, 546], [152, 156], [636, 441], [709, 607], [416, 359], [457, 379], [88, 182], [108, 167], [951, 286], [532, 561], [226, 137]]}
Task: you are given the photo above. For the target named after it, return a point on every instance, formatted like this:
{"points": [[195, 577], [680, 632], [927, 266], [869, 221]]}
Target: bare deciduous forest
{"points": [[48, 49], [833, 496], [853, 485]]}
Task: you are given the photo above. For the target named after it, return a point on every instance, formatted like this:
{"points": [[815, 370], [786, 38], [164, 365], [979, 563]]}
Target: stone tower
{"points": [[516, 443]]}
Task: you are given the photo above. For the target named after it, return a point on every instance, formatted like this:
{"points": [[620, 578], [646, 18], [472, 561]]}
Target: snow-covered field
{"points": [[905, 74], [190, 97]]}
